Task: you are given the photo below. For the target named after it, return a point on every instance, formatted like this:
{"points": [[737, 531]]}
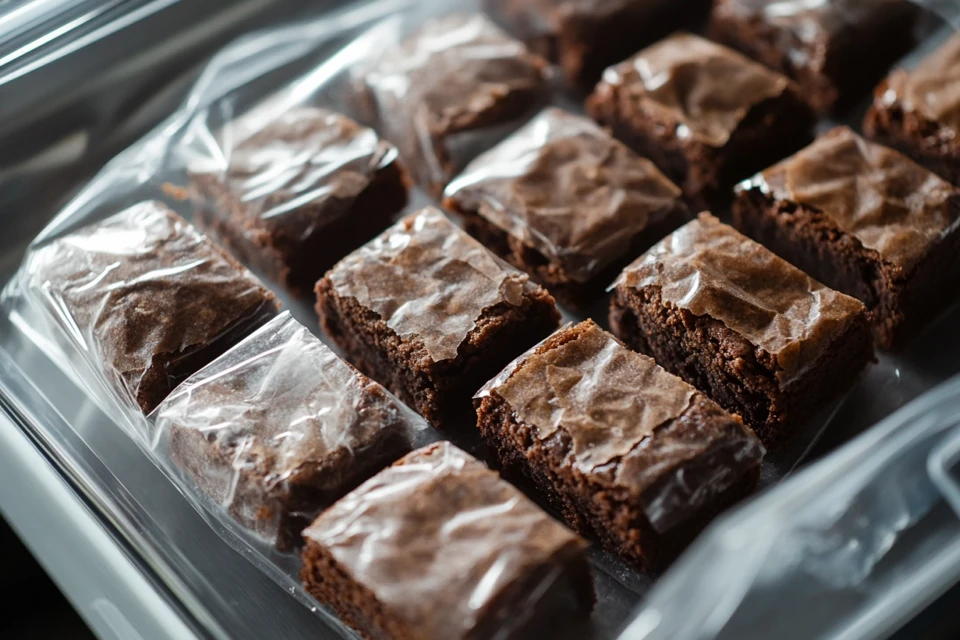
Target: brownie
{"points": [[756, 334], [291, 194], [427, 311], [586, 37], [437, 547], [279, 428], [449, 91], [865, 220], [834, 49], [704, 114], [564, 201], [918, 112], [147, 298], [628, 453]]}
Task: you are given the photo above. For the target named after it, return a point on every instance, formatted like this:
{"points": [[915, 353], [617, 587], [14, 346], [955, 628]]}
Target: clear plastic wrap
{"points": [[479, 546], [618, 407], [453, 281], [566, 188], [146, 298], [711, 269], [279, 428], [312, 63]]}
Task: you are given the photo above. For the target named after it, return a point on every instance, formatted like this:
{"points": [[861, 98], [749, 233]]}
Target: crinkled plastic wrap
{"points": [[449, 90], [416, 261], [708, 87], [475, 539], [286, 190], [279, 428], [566, 188], [710, 269], [619, 408], [146, 298], [891, 204]]}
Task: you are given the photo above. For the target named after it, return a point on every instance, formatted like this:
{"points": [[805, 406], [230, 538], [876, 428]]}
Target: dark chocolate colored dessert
{"points": [[706, 115], [565, 202], [918, 111], [292, 193], [279, 428], [865, 220], [450, 91], [430, 313], [437, 547], [628, 453], [834, 49], [586, 36], [148, 298], [756, 334]]}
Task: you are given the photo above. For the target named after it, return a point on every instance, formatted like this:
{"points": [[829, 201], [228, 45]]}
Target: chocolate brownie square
{"points": [[627, 452], [450, 91], [865, 220], [292, 193], [756, 334], [437, 547], [564, 201], [834, 49], [705, 115], [426, 310], [147, 298], [279, 428], [918, 112], [585, 38]]}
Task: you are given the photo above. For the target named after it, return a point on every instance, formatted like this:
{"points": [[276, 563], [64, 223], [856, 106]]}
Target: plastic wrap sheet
{"points": [[279, 428], [711, 269], [475, 539], [617, 406], [565, 187]]}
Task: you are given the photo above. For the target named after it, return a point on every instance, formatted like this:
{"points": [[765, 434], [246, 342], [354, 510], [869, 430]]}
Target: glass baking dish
{"points": [[739, 580]]}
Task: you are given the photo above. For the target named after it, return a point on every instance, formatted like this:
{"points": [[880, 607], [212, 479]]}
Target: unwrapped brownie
{"points": [[629, 453], [437, 547], [586, 37], [918, 111], [279, 428], [706, 115], [147, 298], [866, 220], [567, 203], [292, 193], [429, 312], [759, 336], [834, 49], [449, 91]]}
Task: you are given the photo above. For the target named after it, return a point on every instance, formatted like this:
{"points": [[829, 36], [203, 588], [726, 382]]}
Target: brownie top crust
{"points": [[547, 17], [426, 278], [709, 269], [277, 405], [144, 289], [437, 537], [887, 201], [565, 187], [706, 88], [932, 89], [810, 21], [274, 165], [623, 415]]}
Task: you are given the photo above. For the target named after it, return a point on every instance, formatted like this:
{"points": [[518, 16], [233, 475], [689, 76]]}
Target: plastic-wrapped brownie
{"points": [[147, 298], [438, 547], [292, 193], [279, 428], [627, 452], [566, 202], [449, 91]]}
